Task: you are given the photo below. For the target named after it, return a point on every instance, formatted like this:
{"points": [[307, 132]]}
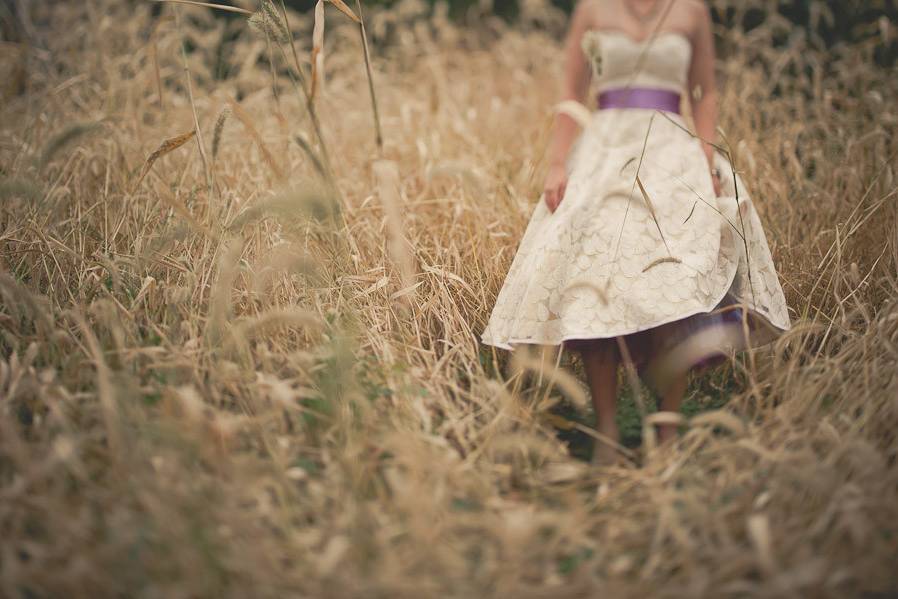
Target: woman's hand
{"points": [[555, 186]]}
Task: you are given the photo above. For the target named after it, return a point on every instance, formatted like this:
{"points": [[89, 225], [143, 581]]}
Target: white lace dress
{"points": [[608, 263]]}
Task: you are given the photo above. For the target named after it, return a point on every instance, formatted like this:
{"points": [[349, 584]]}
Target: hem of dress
{"points": [[520, 341], [508, 345]]}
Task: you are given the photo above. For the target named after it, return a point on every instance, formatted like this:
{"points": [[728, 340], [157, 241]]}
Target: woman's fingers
{"points": [[550, 198], [558, 195], [553, 194]]}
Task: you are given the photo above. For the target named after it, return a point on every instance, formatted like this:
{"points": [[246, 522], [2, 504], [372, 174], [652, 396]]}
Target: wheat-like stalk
{"points": [[167, 146], [219, 130]]}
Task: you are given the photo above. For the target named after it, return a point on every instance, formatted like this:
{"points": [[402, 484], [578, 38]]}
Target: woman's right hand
{"points": [[555, 186]]}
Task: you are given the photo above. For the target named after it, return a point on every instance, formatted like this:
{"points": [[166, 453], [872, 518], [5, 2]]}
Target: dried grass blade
{"points": [[200, 143], [105, 388], [645, 143], [568, 383], [154, 54], [694, 204], [451, 276], [378, 132], [648, 431], [319, 168], [169, 145], [341, 6], [651, 207], [223, 7], [317, 49], [220, 302], [601, 292], [663, 260], [267, 322]]}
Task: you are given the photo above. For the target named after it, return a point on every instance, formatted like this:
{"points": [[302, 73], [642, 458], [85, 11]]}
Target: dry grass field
{"points": [[249, 365]]}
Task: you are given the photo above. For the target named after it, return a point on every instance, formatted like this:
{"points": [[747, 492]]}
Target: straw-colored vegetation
{"points": [[254, 370]]}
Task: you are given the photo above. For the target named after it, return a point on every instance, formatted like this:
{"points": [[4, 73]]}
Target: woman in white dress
{"points": [[644, 244]]}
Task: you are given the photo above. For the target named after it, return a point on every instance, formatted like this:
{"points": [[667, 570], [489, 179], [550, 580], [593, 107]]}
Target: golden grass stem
{"points": [[223, 7], [154, 52], [196, 120], [310, 105], [378, 135]]}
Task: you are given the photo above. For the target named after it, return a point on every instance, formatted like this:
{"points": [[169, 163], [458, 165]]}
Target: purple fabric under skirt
{"points": [[664, 353]]}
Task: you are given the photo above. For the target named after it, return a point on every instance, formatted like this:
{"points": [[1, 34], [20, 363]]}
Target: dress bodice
{"points": [[618, 60]]}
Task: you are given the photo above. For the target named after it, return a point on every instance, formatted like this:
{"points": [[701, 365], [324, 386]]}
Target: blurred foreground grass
{"points": [[233, 367]]}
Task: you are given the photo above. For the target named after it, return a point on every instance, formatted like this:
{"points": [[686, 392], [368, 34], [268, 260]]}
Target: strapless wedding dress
{"points": [[608, 262]]}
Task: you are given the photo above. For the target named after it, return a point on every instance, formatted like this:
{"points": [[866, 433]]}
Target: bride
{"points": [[645, 245]]}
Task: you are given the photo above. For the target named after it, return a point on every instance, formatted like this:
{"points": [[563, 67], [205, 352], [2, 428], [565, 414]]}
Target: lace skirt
{"points": [[659, 261]]}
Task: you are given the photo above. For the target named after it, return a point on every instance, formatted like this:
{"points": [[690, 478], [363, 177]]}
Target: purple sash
{"points": [[640, 97]]}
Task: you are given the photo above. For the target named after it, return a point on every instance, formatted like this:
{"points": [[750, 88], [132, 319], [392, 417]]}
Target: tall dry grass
{"points": [[238, 377]]}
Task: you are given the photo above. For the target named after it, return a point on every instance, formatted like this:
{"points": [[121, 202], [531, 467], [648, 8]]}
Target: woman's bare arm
{"points": [[574, 87], [702, 85], [575, 82]]}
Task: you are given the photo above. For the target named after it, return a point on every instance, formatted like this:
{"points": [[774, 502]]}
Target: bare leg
{"points": [[600, 363], [670, 402]]}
